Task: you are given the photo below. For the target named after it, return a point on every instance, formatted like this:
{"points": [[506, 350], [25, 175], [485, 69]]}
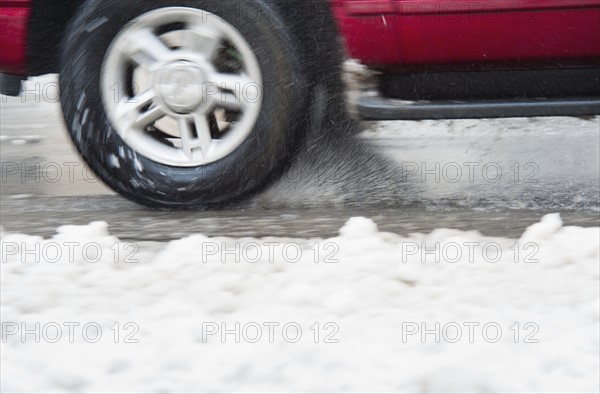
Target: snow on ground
{"points": [[449, 311]]}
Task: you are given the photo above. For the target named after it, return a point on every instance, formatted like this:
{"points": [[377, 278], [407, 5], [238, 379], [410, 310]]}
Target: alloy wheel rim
{"points": [[181, 86]]}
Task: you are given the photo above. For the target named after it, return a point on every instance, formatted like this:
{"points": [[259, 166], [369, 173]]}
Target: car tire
{"points": [[111, 134]]}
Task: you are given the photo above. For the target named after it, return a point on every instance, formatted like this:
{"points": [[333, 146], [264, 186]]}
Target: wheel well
{"points": [[47, 24], [317, 36]]}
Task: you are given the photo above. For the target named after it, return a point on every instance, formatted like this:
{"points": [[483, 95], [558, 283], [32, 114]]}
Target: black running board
{"points": [[377, 108]]}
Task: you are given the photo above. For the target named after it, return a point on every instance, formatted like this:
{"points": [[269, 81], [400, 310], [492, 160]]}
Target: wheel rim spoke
{"points": [[229, 101], [200, 40], [147, 118], [232, 82], [146, 49], [131, 112], [235, 91], [203, 132], [191, 141]]}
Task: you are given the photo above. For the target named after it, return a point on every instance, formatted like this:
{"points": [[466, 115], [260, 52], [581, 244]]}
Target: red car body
{"points": [[422, 34], [443, 34], [14, 18]]}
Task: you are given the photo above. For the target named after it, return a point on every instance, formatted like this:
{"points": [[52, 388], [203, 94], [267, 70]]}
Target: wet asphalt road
{"points": [[41, 216], [496, 176]]}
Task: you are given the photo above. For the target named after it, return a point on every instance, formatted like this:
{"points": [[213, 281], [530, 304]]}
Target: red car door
{"points": [[442, 34]]}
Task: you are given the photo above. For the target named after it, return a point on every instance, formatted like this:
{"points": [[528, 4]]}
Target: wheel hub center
{"points": [[180, 85]]}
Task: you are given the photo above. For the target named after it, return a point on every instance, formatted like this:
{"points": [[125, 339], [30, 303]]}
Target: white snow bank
{"points": [[389, 310]]}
